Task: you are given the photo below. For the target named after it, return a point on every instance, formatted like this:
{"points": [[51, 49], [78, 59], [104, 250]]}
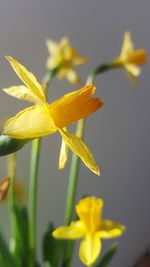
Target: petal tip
{"points": [[9, 58], [97, 171]]}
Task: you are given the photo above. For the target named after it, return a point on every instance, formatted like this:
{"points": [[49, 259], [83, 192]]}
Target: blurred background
{"points": [[118, 134]]}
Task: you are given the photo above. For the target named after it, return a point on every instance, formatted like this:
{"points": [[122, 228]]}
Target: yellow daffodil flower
{"points": [[43, 119], [130, 59], [64, 58], [91, 228]]}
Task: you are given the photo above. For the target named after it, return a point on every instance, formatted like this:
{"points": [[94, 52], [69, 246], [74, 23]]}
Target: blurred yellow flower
{"points": [[91, 228], [130, 59], [64, 58], [43, 119]]}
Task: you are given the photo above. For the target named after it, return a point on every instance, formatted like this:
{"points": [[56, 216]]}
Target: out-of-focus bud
{"points": [[4, 186]]}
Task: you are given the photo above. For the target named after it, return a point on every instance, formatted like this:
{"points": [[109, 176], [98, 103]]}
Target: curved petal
{"points": [[127, 46], [52, 46], [74, 231], [72, 76], [28, 78], [133, 69], [62, 73], [80, 149], [74, 106], [90, 249], [22, 92], [110, 229], [30, 123], [63, 156], [65, 47]]}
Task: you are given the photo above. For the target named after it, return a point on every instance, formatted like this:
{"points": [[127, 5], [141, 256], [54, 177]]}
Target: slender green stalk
{"points": [[33, 186], [74, 169], [50, 74], [75, 162], [33, 198], [100, 69], [11, 199]]}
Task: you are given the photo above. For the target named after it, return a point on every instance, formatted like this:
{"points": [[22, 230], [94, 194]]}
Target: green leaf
{"points": [[106, 258], [46, 264], [6, 258], [20, 250], [51, 247]]}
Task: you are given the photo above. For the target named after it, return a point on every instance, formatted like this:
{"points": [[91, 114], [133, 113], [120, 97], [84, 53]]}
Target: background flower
{"points": [[64, 58]]}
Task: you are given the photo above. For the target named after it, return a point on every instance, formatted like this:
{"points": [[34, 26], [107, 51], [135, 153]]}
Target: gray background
{"points": [[118, 134]]}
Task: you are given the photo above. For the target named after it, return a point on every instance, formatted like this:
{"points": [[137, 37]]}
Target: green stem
{"points": [[75, 165], [33, 198], [50, 74], [74, 171], [75, 162], [100, 69], [33, 186], [11, 199]]}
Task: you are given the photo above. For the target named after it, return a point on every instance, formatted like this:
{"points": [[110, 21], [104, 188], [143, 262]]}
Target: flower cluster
{"points": [[41, 119]]}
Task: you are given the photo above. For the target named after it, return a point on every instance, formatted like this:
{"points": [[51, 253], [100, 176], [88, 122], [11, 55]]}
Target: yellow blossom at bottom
{"points": [[91, 228]]}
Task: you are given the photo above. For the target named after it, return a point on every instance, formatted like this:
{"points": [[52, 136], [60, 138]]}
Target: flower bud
{"points": [[10, 145]]}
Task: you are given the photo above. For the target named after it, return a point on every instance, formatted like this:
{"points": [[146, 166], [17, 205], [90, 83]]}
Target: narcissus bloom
{"points": [[43, 119], [130, 59], [91, 228], [64, 58]]}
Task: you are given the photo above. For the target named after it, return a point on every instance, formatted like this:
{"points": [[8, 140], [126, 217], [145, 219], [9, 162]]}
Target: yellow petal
{"points": [[52, 46], [89, 210], [30, 123], [63, 157], [62, 73], [133, 69], [110, 229], [72, 76], [74, 231], [74, 106], [22, 92], [80, 149], [127, 46], [90, 249], [65, 47], [28, 78]]}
